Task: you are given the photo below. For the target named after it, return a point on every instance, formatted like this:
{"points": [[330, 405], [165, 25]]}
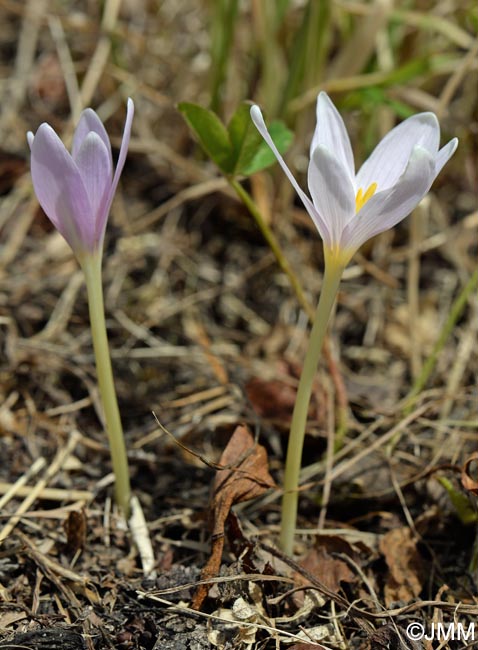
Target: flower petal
{"points": [[385, 209], [94, 162], [445, 154], [332, 192], [332, 134], [390, 157], [258, 120], [60, 189], [90, 122], [122, 153]]}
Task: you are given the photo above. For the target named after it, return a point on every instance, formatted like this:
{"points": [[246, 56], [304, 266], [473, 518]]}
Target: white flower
{"points": [[347, 207]]}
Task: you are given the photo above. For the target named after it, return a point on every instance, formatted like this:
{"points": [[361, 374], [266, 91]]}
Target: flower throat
{"points": [[361, 198]]}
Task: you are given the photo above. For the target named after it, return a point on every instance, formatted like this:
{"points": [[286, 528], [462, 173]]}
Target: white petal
{"points": [[332, 191], [258, 120], [332, 134], [385, 209], [30, 138], [390, 157], [445, 154]]}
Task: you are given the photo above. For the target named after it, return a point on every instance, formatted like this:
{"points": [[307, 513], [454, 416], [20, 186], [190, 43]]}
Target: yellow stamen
{"points": [[361, 198]]}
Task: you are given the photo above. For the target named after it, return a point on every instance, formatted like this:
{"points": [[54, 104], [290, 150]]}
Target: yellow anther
{"points": [[361, 198]]}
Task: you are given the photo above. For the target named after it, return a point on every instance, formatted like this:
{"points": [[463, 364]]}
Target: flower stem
{"points": [[91, 264], [330, 286]]}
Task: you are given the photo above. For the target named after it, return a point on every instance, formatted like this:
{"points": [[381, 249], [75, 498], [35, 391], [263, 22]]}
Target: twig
{"points": [[50, 494]]}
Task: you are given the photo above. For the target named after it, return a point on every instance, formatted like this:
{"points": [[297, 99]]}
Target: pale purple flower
{"points": [[76, 190], [347, 207]]}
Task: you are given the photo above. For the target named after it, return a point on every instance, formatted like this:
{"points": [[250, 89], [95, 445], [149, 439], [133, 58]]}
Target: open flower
{"points": [[76, 190], [347, 207]]}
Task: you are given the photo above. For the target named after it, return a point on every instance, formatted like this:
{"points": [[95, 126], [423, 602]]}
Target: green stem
{"points": [[330, 286], [91, 264]]}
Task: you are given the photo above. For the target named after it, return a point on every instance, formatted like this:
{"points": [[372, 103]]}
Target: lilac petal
{"points": [[30, 138], [390, 157], [332, 191], [60, 189], [90, 122], [332, 134], [445, 154], [259, 123], [385, 209], [122, 154], [94, 162]]}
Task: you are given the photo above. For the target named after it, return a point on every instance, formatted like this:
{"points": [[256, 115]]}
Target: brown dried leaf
{"points": [[468, 482], [271, 398], [246, 476], [403, 560], [329, 570], [275, 398]]}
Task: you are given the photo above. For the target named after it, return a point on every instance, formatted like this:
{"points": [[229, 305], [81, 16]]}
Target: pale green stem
{"points": [[330, 286], [91, 265]]}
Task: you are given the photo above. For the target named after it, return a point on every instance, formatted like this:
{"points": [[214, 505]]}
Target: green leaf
{"points": [[460, 501], [263, 156], [211, 133], [239, 149], [244, 137]]}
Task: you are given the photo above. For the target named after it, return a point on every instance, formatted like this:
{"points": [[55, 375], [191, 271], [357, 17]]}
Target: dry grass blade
{"points": [[57, 463]]}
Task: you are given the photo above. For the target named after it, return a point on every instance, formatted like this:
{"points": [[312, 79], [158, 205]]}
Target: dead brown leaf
{"points": [[331, 570], [404, 581], [246, 476], [271, 398], [323, 565], [275, 398]]}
